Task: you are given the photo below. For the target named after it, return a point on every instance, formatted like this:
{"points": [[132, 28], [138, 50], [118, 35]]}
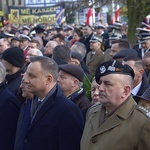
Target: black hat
{"points": [[3, 36], [14, 56], [73, 70], [15, 39], [126, 53], [145, 96], [39, 28], [113, 67], [96, 39], [76, 55], [24, 37]]}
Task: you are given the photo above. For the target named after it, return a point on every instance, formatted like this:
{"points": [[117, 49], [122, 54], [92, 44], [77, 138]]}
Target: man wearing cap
{"points": [[101, 31], [118, 122], [95, 57], [26, 30], [15, 42], [39, 30], [112, 38], [24, 42], [13, 60], [144, 41], [70, 79], [68, 32]]}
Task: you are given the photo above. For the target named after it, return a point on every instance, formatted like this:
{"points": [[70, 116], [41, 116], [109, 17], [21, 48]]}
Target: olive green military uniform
{"points": [[127, 128]]}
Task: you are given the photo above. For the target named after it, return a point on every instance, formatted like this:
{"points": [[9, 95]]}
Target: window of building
{"points": [[19, 2], [7, 2], [30, 1], [13, 2], [38, 1]]}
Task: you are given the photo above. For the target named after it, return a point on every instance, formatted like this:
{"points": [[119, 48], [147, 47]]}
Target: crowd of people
{"points": [[44, 103]]}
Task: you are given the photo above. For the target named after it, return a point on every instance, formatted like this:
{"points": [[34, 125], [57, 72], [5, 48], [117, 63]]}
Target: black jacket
{"points": [[9, 112]]}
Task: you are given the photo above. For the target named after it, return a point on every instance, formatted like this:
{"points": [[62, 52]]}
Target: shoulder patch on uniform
{"points": [[144, 110]]}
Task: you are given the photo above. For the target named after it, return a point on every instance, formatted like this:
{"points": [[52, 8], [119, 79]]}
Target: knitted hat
{"points": [[73, 70], [14, 56]]}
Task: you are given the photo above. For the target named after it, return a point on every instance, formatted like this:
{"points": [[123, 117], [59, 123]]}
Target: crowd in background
{"points": [[52, 65]]}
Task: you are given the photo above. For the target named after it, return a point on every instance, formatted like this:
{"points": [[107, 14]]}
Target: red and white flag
{"points": [[89, 17]]}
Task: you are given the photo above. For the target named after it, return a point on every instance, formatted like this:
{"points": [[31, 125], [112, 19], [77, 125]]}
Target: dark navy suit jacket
{"points": [[9, 113], [58, 125]]}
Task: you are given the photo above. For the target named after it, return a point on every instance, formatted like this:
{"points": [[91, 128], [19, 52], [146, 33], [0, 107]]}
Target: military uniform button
{"points": [[94, 140]]}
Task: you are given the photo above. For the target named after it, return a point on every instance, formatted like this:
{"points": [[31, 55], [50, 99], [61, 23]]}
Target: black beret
{"points": [[14, 56], [113, 67], [39, 28], [73, 70], [126, 53]]}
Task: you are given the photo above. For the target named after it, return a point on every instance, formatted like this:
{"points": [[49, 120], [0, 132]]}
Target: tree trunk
{"points": [[137, 11]]}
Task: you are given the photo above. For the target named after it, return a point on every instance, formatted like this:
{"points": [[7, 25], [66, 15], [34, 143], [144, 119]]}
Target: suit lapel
{"points": [[94, 57], [48, 102]]}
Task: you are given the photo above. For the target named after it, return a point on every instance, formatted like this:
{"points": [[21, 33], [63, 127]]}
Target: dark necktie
{"points": [[38, 104]]}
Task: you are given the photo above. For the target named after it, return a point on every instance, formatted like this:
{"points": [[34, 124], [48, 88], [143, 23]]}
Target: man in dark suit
{"points": [[55, 124], [9, 112], [140, 83], [87, 35]]}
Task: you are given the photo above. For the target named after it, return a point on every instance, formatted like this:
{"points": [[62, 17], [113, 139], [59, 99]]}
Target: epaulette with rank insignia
{"points": [[144, 110]]}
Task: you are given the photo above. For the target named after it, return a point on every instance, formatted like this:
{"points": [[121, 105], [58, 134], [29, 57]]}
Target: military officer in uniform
{"points": [[117, 122]]}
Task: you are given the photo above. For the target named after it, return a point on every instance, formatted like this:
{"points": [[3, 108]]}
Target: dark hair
{"points": [[122, 43], [78, 32], [35, 41], [60, 36], [48, 65], [62, 52], [138, 61]]}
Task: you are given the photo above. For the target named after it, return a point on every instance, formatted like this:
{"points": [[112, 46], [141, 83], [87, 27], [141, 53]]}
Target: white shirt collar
{"points": [[136, 89]]}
